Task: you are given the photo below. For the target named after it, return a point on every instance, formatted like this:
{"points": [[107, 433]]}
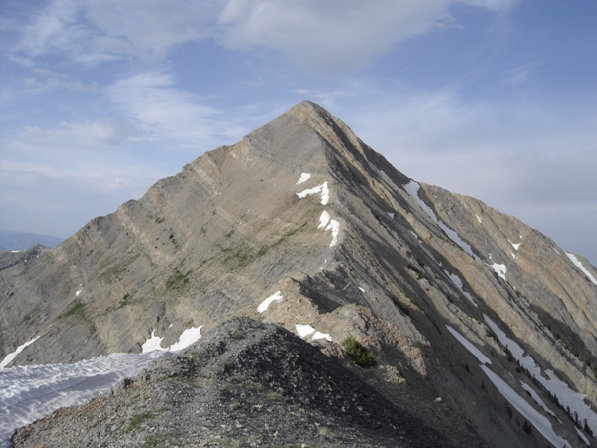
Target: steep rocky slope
{"points": [[303, 225]]}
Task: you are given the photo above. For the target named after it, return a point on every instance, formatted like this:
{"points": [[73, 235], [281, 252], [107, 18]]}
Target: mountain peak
{"points": [[302, 225]]}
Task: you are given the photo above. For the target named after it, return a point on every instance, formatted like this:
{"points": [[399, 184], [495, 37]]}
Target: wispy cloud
{"points": [[521, 73], [323, 37], [163, 113], [330, 37]]}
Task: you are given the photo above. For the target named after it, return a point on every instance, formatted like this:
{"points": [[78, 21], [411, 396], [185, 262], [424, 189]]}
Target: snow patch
{"points": [[361, 289], [78, 293], [391, 215], [317, 335], [334, 227], [458, 283], [500, 270], [307, 330], [514, 245], [304, 178], [324, 219], [304, 330], [8, 358], [469, 346], [412, 188], [538, 420], [582, 436], [321, 189], [579, 265], [479, 219], [326, 223], [187, 338], [154, 343], [277, 297]]}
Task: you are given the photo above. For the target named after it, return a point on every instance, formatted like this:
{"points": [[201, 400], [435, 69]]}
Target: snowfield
{"points": [[28, 393]]}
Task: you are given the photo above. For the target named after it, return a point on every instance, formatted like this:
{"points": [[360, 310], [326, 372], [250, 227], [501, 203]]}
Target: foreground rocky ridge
{"points": [[245, 384], [447, 292]]}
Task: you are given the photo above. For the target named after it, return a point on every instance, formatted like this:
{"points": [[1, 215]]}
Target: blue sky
{"points": [[496, 99]]}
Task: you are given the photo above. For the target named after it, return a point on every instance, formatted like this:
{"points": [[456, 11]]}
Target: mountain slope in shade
{"points": [[480, 324]]}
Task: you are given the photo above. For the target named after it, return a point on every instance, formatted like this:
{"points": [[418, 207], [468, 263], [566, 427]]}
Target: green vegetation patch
{"points": [[177, 280], [112, 273], [137, 419], [358, 353], [243, 253], [77, 311]]}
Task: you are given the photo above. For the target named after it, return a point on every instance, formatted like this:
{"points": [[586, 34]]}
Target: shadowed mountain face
{"points": [[482, 327]]}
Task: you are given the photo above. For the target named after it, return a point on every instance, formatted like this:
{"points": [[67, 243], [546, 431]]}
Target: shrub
{"points": [[358, 353]]}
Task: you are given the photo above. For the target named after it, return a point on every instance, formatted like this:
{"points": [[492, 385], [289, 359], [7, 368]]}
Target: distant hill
{"points": [[11, 240]]}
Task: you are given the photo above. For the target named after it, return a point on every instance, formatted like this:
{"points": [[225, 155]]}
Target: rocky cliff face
{"points": [[481, 326]]}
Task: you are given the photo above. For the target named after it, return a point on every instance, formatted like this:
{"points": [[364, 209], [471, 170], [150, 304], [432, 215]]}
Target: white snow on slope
{"points": [[538, 420], [8, 358], [304, 330], [479, 219], [500, 270], [582, 436], [154, 343], [318, 335], [514, 245], [469, 346], [307, 330], [187, 338], [324, 219], [277, 297], [78, 293], [304, 178], [28, 393], [548, 379], [535, 396], [412, 188], [458, 283], [579, 265], [334, 227], [326, 223], [321, 189]]}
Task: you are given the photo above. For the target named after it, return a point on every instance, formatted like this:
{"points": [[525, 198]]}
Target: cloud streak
{"points": [[333, 37]]}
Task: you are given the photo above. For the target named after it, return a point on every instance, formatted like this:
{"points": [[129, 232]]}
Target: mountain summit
{"points": [[480, 326]]}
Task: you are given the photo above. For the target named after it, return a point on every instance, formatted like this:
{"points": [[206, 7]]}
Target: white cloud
{"points": [[521, 73], [91, 31], [163, 113], [335, 36]]}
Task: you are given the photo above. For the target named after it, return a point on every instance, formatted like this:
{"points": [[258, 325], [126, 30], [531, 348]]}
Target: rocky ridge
{"points": [[302, 215], [245, 384]]}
